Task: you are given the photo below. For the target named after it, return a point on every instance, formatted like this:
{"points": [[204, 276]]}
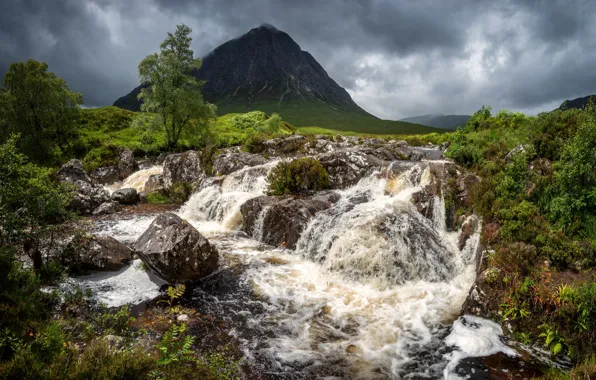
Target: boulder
{"points": [[468, 228], [126, 163], [181, 167], [154, 183], [346, 168], [279, 221], [126, 196], [101, 253], [105, 175], [175, 250], [73, 171], [106, 208], [230, 162], [515, 151]]}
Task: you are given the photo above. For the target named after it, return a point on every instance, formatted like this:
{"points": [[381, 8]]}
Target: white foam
{"points": [[136, 180], [474, 337], [130, 285]]}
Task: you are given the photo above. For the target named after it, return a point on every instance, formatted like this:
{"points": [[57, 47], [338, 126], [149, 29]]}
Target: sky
{"points": [[395, 58]]}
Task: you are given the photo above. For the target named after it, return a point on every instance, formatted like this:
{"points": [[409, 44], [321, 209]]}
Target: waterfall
{"points": [[378, 236], [221, 203], [136, 180]]}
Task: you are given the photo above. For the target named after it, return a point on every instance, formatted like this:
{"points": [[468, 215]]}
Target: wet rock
{"points": [[105, 175], [154, 183], [106, 208], [115, 342], [175, 250], [73, 171], [279, 221], [468, 228], [126, 163], [101, 253], [465, 183], [142, 197], [346, 168], [127, 196], [232, 161], [181, 167]]}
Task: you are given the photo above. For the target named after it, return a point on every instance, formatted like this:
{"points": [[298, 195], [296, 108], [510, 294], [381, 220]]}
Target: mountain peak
{"points": [[264, 65]]}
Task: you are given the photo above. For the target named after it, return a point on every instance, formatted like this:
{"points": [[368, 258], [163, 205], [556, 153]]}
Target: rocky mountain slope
{"points": [[577, 102], [265, 69]]}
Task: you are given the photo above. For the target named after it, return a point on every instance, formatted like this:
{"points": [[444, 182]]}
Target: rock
{"points": [[182, 318], [114, 342], [465, 183], [73, 171], [126, 163], [154, 183], [142, 197], [106, 208], [175, 250], [126, 196], [279, 221], [346, 168], [230, 162], [105, 175], [181, 167], [101, 253], [518, 149], [469, 227]]}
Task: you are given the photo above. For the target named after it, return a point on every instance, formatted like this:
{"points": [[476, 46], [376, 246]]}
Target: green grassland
{"points": [[312, 114]]}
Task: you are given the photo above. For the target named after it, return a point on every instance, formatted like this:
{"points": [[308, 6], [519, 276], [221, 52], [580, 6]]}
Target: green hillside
{"points": [[310, 114]]}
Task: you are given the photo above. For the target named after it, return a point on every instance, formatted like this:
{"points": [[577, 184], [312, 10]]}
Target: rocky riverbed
{"points": [[364, 281]]}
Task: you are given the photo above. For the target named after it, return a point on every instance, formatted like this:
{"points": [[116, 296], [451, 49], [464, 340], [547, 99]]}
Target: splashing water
{"points": [[370, 292], [136, 180]]}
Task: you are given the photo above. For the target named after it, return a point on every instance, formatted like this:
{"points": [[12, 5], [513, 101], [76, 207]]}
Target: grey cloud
{"points": [[397, 59]]}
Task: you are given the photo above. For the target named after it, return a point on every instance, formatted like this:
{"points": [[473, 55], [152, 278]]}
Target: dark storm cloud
{"points": [[396, 58]]}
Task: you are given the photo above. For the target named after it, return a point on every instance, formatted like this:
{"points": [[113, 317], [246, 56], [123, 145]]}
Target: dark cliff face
{"points": [[264, 64], [578, 102]]}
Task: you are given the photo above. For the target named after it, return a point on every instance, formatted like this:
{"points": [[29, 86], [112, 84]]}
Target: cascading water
{"points": [[221, 203], [370, 292], [136, 180]]}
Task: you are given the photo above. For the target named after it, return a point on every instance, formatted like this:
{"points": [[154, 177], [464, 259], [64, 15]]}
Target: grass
{"points": [[311, 114]]}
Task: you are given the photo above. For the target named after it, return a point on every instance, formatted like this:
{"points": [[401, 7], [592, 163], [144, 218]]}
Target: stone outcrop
{"points": [[126, 164], [105, 175], [154, 183], [127, 196], [346, 168], [279, 221], [182, 167], [107, 208], [175, 250], [234, 160], [87, 194], [101, 253]]}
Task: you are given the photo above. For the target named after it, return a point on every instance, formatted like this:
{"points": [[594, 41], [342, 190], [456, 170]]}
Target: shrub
{"points": [[179, 192], [297, 176], [157, 198], [106, 155]]}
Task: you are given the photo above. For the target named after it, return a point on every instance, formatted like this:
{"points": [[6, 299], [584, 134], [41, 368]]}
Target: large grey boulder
{"points": [[346, 168], [126, 163], [231, 161], [101, 253], [105, 175], [107, 208], [127, 196], [182, 167], [73, 171], [279, 221], [175, 250]]}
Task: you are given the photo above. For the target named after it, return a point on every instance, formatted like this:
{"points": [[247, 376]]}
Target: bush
{"points": [[157, 198], [297, 176], [106, 155]]}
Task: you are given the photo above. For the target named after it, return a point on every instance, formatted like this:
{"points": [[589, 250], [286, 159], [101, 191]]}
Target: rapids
{"points": [[372, 291]]}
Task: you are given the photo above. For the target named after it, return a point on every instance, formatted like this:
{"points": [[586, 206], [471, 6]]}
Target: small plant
{"points": [[174, 293], [298, 176], [157, 198], [513, 311], [552, 340]]}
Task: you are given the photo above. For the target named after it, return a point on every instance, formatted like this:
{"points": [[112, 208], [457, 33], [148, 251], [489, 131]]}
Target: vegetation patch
{"points": [[297, 176]]}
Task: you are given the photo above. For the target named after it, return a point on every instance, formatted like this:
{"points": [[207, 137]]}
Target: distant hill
{"points": [[578, 102], [439, 120], [265, 69]]}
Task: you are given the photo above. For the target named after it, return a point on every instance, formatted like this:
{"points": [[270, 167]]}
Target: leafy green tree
{"points": [[172, 92], [30, 202], [39, 106]]}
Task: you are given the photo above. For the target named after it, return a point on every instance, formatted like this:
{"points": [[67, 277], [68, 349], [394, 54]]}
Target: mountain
{"points": [[265, 69], [578, 102], [439, 120]]}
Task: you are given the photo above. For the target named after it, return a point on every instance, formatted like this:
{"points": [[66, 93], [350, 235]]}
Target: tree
{"points": [[171, 91], [31, 204], [38, 105]]}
